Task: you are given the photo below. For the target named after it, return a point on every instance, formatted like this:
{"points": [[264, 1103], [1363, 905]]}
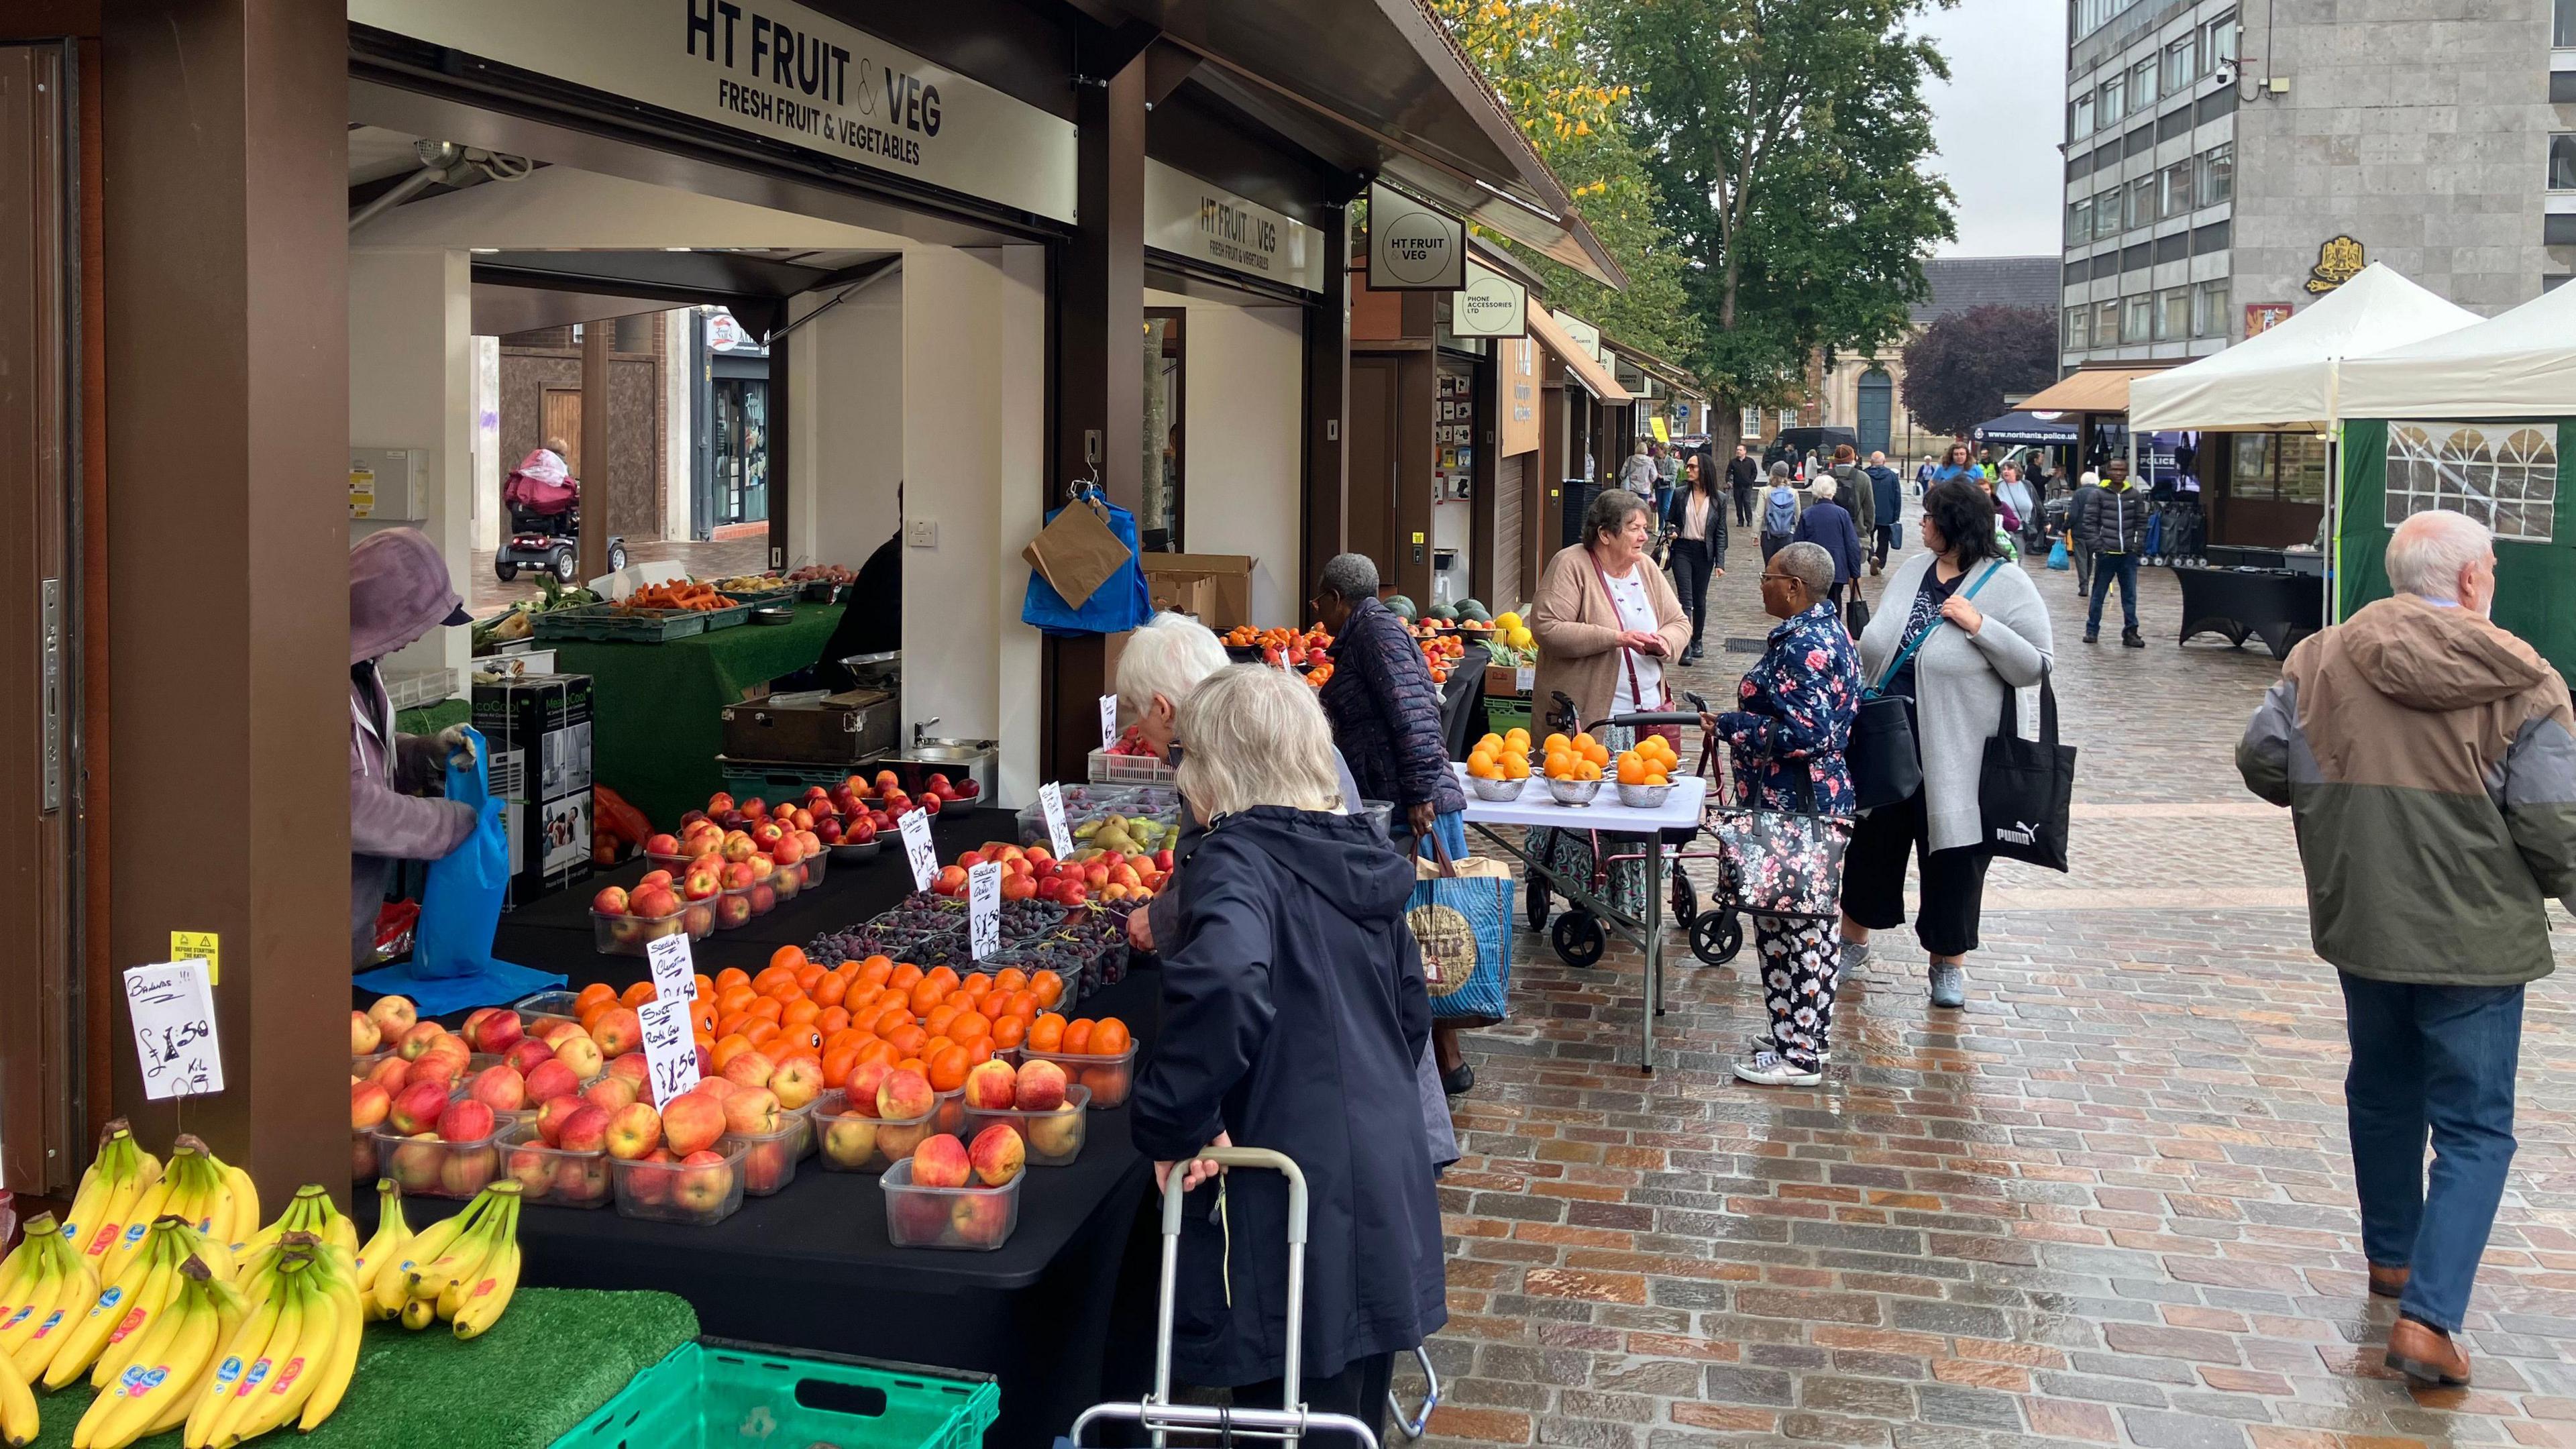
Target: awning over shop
{"points": [[1671, 376], [1580, 364], [2521, 364], [2285, 379], [2091, 390], [2022, 427]]}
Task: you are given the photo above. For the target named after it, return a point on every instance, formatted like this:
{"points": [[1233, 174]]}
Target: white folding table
{"points": [[1605, 815]]}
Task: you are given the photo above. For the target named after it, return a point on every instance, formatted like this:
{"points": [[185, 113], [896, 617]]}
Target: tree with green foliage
{"points": [[1786, 141], [1536, 54]]}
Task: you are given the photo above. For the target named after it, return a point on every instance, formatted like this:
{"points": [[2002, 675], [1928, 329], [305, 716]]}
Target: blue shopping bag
{"points": [[1120, 604], [1461, 916], [451, 963], [2057, 558]]}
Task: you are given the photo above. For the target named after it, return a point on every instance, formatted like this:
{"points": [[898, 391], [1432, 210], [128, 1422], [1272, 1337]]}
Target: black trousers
{"points": [[1690, 580], [1744, 508], [1954, 881], [1883, 538], [1359, 1390]]}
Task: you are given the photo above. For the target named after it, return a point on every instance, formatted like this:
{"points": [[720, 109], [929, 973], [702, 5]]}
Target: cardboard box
{"points": [[1215, 588], [549, 846], [1505, 680]]}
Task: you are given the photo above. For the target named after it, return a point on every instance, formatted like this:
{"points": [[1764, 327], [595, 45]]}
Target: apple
{"points": [[416, 1108], [533, 1169], [500, 1088], [788, 851], [617, 1031], [751, 1111], [704, 1182], [751, 1068], [466, 1121], [634, 1068], [738, 847], [861, 1086], [662, 844], [503, 1030], [940, 1161], [550, 1079], [390, 1074], [692, 1122], [655, 901], [364, 1034], [698, 920], [472, 1030], [1058, 1134], [1038, 1086], [527, 1054], [850, 1141], [755, 807], [732, 910], [416, 1164], [368, 1104], [580, 1055], [393, 1015], [904, 1095], [651, 1179], [585, 1129], [980, 1218], [762, 868], [416, 1039], [467, 1171], [716, 1087], [582, 1179], [991, 1087], [436, 1067], [828, 830], [552, 1113], [997, 1154], [767, 1165], [700, 884], [634, 1131], [611, 901], [553, 1032], [797, 1081], [763, 900], [612, 1093], [719, 802]]}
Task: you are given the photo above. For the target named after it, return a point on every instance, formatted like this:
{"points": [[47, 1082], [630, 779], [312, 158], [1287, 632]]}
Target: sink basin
{"points": [[944, 752]]}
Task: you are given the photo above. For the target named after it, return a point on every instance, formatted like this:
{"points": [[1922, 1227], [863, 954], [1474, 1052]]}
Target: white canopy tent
{"points": [[2285, 379], [2520, 364]]}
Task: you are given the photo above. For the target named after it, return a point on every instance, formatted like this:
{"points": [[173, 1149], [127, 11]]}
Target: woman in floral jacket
{"points": [[1785, 737]]}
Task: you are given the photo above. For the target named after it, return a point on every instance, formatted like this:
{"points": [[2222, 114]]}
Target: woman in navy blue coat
{"points": [[1294, 1014]]}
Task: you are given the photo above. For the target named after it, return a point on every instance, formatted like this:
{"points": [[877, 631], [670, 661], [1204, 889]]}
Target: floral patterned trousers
{"points": [[1799, 959]]}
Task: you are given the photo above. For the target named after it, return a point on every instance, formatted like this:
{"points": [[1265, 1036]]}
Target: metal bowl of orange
{"points": [[1643, 797], [1574, 792], [1497, 790]]}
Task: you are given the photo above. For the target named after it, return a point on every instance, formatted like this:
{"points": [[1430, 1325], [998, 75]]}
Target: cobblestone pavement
{"points": [[2108, 1203]]}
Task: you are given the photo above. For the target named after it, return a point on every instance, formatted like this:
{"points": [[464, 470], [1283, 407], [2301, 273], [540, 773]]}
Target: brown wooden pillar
{"points": [[597, 336], [1484, 505], [226, 258], [1417, 406], [1328, 388]]}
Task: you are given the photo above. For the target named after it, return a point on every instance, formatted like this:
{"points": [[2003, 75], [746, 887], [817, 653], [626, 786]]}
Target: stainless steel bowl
{"points": [[1573, 792], [1497, 790], [1643, 797]]}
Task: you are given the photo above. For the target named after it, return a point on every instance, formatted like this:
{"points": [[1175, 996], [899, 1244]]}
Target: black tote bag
{"points": [[1886, 765], [2027, 787]]}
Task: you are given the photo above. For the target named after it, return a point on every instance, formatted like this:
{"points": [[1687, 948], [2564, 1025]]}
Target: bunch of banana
{"points": [[312, 1212], [45, 1287], [18, 1421], [110, 1194], [197, 1187], [174, 1360], [391, 1242], [462, 1270], [106, 1339], [291, 1356]]}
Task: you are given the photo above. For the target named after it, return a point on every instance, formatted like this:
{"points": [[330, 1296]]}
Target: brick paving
{"points": [[2108, 1203]]}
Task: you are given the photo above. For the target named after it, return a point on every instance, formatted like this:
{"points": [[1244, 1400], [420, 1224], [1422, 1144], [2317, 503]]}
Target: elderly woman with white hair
{"points": [[1294, 1017], [1828, 525]]}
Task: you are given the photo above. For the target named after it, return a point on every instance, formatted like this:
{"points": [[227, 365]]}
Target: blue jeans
{"points": [[2437, 1059], [1449, 828], [2106, 567]]}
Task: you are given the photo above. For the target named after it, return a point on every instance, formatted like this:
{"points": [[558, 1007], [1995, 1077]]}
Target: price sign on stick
{"points": [[1051, 800], [173, 1007], [670, 1056], [984, 908], [916, 844], [675, 975], [1108, 721]]}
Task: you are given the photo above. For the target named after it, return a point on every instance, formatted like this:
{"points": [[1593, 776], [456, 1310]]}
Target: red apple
{"points": [[527, 1054], [732, 910], [650, 1180], [940, 1161], [466, 1121], [797, 1081], [393, 1015], [585, 1129], [661, 845], [390, 1074], [552, 1114], [532, 1169], [416, 1040], [991, 1086], [750, 1068], [500, 1088], [634, 1068], [700, 884], [903, 1095], [550, 1079], [861, 1087], [611, 901], [364, 1035], [416, 1164], [1038, 1086], [704, 1182], [980, 1218], [997, 1154], [580, 1054], [467, 1170], [751, 1111], [850, 1141], [634, 1131], [368, 1105], [612, 1093], [692, 1122]]}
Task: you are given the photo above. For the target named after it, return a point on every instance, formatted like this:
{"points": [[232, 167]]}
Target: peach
{"points": [[797, 1081], [552, 1114], [704, 1182], [850, 1141], [692, 1122], [500, 1088], [364, 1034], [466, 1121], [749, 1069], [528, 1053], [416, 1108], [997, 1154], [390, 1074], [617, 1032], [940, 1161], [418, 1039], [585, 1129], [550, 1079], [991, 1086], [635, 1131], [612, 1094], [581, 1054], [751, 1110], [368, 1104], [904, 1094], [1039, 1086], [393, 1015]]}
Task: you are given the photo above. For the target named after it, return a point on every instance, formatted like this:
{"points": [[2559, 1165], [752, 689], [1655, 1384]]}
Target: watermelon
{"points": [[1400, 606], [1472, 609]]}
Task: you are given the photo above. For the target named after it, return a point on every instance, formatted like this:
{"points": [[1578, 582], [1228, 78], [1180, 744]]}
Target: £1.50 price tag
{"points": [[1059, 835], [173, 1008], [670, 1054], [984, 908], [1108, 721], [916, 844], [675, 973]]}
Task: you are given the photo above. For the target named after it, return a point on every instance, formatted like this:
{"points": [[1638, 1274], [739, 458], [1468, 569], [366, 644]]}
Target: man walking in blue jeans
{"points": [[2111, 521], [2429, 761]]}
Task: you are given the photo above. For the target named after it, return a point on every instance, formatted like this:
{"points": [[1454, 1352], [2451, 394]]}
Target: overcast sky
{"points": [[1997, 121]]}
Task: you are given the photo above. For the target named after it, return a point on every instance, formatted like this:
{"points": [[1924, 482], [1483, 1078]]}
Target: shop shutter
{"points": [[1508, 482]]}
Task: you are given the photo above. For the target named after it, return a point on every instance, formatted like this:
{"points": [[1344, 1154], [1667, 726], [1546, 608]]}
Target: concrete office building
{"points": [[2224, 157]]}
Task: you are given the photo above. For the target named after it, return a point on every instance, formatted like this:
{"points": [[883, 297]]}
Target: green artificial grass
{"points": [[429, 720], [554, 1357]]}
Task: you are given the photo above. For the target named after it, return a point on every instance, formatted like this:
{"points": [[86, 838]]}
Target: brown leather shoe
{"points": [[2426, 1354], [2386, 1282]]}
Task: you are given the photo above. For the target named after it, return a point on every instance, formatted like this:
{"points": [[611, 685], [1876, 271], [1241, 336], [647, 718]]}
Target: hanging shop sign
{"points": [[1189, 218], [2338, 261], [1413, 246], [1585, 336], [1490, 305], [1516, 365], [775, 69]]}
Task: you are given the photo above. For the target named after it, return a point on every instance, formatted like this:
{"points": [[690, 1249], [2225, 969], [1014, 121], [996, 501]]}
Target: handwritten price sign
{"points": [[173, 1008], [670, 1056], [984, 908], [675, 974], [1051, 800], [917, 847], [1108, 721]]}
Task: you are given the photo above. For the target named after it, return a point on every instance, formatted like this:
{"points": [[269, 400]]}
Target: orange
{"points": [[1009, 1032], [832, 1019], [831, 990], [970, 1027], [807, 975], [732, 976], [1556, 742], [1046, 1034], [759, 1032], [702, 1016], [799, 1041], [595, 992], [905, 977], [1517, 768], [799, 1012], [702, 1041], [1482, 767], [769, 1009], [943, 1016], [1109, 1038], [1026, 1004], [1012, 978], [1077, 1037], [906, 1038], [874, 970], [788, 958], [728, 1047], [928, 992], [1048, 986], [1658, 778], [948, 1069]]}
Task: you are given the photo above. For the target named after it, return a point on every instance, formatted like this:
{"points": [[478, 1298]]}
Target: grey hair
{"points": [[1256, 737], [1823, 488], [1168, 656], [1809, 564], [1351, 575], [2428, 550], [1780, 470], [1609, 513], [1877, 458]]}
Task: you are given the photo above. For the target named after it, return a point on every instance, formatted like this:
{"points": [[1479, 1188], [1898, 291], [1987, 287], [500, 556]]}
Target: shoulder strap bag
{"points": [[1886, 764], [1628, 660], [2026, 788], [1786, 863]]}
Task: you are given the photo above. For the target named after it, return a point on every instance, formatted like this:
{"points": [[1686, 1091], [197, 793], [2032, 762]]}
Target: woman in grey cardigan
{"points": [[1982, 630]]}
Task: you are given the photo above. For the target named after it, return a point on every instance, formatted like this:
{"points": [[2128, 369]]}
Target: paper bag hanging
{"points": [[1076, 553]]}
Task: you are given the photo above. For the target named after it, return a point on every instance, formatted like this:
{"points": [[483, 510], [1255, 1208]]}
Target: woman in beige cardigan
{"points": [[1609, 658]]}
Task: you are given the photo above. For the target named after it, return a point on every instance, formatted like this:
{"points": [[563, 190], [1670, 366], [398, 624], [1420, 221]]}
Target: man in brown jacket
{"points": [[2429, 761]]}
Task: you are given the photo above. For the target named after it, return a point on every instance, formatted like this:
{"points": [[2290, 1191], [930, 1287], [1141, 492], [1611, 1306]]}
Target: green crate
{"points": [[784, 779], [720, 1392], [609, 624], [736, 613], [1503, 712]]}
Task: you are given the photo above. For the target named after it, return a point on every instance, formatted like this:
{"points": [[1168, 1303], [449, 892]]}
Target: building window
{"points": [[2079, 222], [2218, 173], [2140, 204], [2173, 314], [2079, 327], [2081, 125], [2106, 214], [1750, 424], [2142, 84], [2209, 309], [2174, 193], [2218, 46], [2281, 468], [2113, 104], [2562, 27], [2140, 323], [2562, 156], [2106, 324], [1788, 417], [2503, 476], [2182, 63]]}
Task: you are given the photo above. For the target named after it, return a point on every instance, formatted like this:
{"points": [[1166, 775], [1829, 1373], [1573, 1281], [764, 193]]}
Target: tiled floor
{"points": [[2109, 1202]]}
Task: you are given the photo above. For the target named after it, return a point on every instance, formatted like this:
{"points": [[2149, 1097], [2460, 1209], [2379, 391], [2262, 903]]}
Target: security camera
{"points": [[2223, 76]]}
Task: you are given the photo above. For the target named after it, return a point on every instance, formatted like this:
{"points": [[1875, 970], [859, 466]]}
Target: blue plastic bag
{"points": [[2057, 558], [1116, 606], [451, 963], [1463, 922]]}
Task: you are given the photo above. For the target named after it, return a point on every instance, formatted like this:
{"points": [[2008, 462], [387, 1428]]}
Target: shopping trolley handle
{"points": [[1278, 1162], [1653, 718]]}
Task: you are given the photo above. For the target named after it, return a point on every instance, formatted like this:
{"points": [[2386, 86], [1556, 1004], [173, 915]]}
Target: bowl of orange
{"points": [[1645, 773], [1575, 768], [1498, 767]]}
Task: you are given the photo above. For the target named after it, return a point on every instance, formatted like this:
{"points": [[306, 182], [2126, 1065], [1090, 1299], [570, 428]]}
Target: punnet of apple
{"points": [[432, 1166], [1107, 1077], [628, 934], [802, 1119], [769, 1158], [702, 1189], [851, 1140], [363, 1164], [968, 1219], [1054, 1135], [555, 1176], [546, 1006], [816, 867]]}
